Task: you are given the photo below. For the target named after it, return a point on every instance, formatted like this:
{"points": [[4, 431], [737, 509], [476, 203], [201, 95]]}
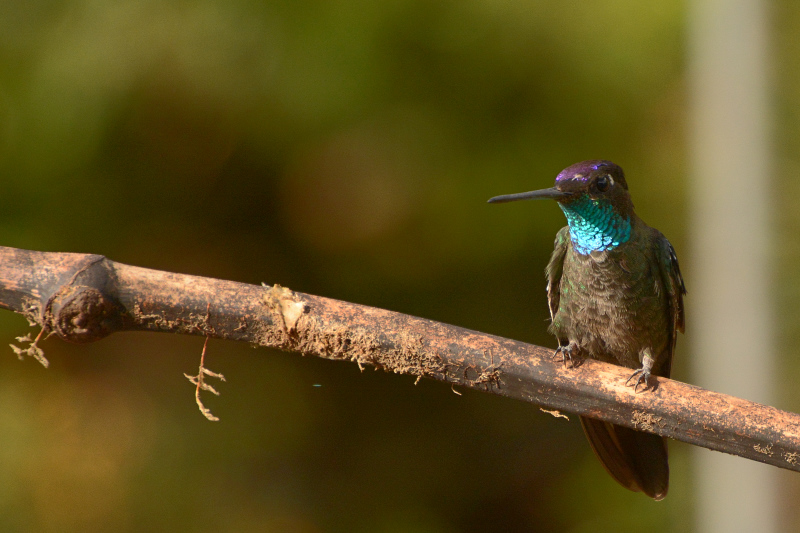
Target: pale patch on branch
{"points": [[286, 305]]}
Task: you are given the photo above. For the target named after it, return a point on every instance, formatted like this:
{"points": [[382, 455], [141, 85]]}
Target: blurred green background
{"points": [[346, 149]]}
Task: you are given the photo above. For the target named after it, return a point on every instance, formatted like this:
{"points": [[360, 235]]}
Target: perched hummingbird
{"points": [[615, 294]]}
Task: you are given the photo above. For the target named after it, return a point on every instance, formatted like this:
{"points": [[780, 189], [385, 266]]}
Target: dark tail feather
{"points": [[638, 461]]}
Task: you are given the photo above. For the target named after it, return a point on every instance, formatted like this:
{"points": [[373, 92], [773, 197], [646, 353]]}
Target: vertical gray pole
{"points": [[731, 319]]}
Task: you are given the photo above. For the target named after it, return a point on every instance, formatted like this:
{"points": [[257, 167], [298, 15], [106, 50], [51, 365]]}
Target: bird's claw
{"points": [[565, 353], [641, 375]]}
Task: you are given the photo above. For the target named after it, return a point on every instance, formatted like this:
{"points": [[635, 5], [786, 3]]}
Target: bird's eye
{"points": [[604, 183]]}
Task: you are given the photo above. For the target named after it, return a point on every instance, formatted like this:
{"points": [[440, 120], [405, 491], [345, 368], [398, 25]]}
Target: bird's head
{"points": [[595, 180], [595, 199]]}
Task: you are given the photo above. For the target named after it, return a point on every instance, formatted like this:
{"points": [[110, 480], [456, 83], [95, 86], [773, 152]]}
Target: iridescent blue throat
{"points": [[594, 225]]}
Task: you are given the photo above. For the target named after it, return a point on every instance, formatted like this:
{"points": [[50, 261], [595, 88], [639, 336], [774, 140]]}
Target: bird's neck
{"points": [[594, 225]]}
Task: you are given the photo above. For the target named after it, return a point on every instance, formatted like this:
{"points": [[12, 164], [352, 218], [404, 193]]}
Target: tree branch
{"points": [[82, 298]]}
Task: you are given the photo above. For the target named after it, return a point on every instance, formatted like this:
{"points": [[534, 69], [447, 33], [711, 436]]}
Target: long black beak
{"points": [[552, 192]]}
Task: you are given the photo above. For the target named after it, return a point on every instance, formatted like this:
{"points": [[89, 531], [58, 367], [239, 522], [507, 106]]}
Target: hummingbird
{"points": [[615, 294]]}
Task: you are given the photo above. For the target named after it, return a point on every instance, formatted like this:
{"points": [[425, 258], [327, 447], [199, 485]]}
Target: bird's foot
{"points": [[641, 375], [564, 353]]}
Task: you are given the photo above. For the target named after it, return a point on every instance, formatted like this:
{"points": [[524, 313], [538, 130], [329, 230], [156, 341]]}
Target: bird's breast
{"points": [[612, 304]]}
